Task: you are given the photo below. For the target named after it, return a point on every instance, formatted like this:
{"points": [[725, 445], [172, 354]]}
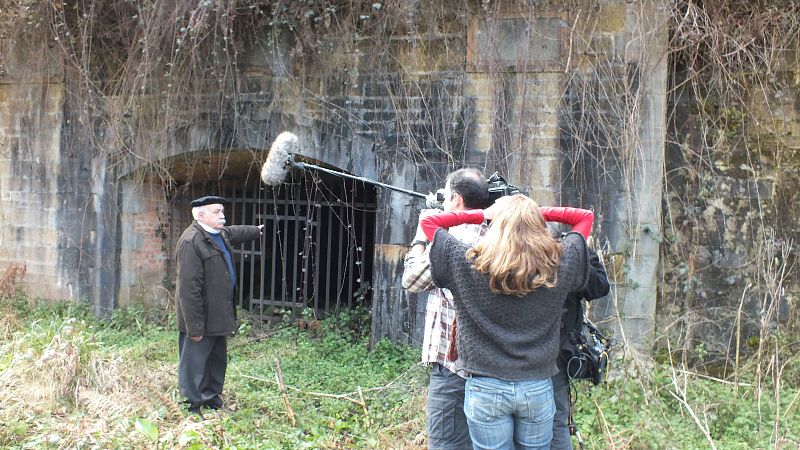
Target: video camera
{"points": [[498, 187]]}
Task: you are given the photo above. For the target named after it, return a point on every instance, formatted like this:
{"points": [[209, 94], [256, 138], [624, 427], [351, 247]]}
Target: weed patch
{"points": [[72, 381]]}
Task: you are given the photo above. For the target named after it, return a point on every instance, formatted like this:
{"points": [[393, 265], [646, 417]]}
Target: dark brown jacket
{"points": [[205, 297]]}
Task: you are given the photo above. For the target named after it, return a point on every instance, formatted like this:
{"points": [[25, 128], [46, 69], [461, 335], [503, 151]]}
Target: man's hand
{"points": [[499, 205], [196, 338], [261, 229], [420, 235], [428, 212]]}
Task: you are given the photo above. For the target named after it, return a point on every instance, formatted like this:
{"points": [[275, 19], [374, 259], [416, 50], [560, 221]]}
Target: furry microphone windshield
{"points": [[278, 160]]}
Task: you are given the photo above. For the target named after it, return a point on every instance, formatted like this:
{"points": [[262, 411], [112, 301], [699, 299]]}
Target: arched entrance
{"points": [[318, 240]]}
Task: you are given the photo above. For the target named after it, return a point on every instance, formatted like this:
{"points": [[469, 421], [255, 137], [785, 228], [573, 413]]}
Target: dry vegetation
{"points": [[731, 61], [73, 382], [141, 72]]}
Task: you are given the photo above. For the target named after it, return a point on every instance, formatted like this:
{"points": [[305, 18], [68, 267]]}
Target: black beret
{"points": [[207, 200]]}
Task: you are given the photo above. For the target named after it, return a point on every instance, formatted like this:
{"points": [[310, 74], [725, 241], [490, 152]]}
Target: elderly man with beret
{"points": [[205, 300]]}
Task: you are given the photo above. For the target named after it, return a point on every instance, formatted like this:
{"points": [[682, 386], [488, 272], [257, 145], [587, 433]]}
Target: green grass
{"points": [[72, 381], [340, 393], [667, 408]]}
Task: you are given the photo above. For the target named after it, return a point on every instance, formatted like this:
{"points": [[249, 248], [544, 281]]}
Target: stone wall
{"points": [[145, 222], [731, 227], [31, 119], [492, 86]]}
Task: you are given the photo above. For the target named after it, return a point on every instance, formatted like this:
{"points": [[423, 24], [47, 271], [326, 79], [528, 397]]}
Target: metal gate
{"points": [[316, 249]]}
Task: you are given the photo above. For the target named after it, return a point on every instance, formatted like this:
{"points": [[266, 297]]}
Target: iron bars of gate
{"points": [[316, 249]]}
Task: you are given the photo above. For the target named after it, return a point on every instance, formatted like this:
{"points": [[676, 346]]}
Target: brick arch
{"points": [[318, 245]]}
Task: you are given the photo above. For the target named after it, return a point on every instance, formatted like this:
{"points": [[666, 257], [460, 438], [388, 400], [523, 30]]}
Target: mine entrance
{"points": [[317, 246]]}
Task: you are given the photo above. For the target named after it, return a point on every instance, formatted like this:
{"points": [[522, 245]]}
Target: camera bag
{"points": [[586, 351]]}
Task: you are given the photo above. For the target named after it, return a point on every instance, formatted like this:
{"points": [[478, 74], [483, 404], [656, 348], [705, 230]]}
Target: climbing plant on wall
{"points": [[141, 72], [728, 239]]}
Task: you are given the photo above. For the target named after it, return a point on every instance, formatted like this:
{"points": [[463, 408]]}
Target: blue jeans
{"points": [[509, 414], [447, 426]]}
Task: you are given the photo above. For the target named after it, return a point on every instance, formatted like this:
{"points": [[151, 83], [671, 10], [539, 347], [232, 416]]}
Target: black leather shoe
{"points": [[215, 403]]}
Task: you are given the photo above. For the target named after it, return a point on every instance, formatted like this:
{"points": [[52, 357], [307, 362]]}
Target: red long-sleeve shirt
{"points": [[581, 220]]}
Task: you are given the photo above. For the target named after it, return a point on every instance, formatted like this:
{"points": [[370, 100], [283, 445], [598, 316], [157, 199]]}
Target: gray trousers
{"points": [[447, 424], [201, 369], [561, 439]]}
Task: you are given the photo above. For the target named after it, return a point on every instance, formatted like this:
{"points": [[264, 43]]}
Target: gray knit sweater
{"points": [[504, 336]]}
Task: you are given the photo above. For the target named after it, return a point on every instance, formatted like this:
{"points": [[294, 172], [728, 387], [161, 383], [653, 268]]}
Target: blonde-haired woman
{"points": [[509, 293]]}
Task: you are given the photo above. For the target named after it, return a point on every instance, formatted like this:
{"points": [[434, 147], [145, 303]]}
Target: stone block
{"points": [[539, 172], [601, 47], [543, 197], [611, 18], [45, 286], [639, 334]]}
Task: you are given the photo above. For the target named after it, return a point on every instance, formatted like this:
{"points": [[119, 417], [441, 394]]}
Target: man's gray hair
{"points": [[197, 210]]}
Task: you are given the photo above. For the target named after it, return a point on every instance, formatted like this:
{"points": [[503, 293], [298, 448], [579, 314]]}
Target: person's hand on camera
{"points": [[428, 212], [499, 205], [420, 235]]}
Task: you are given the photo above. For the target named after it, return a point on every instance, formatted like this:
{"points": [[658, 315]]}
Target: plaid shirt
{"points": [[440, 311]]}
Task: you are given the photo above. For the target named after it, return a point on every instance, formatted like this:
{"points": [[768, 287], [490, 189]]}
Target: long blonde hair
{"points": [[517, 252]]}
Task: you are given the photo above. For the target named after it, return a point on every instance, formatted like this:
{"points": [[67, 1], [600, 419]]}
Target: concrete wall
{"points": [[732, 212], [145, 227], [31, 119], [613, 133], [491, 87]]}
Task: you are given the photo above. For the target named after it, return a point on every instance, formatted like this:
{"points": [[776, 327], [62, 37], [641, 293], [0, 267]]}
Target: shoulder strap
{"points": [[580, 316]]}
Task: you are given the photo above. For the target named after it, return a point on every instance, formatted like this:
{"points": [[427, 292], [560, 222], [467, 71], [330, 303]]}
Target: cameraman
{"points": [[464, 189], [509, 291], [596, 287]]}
